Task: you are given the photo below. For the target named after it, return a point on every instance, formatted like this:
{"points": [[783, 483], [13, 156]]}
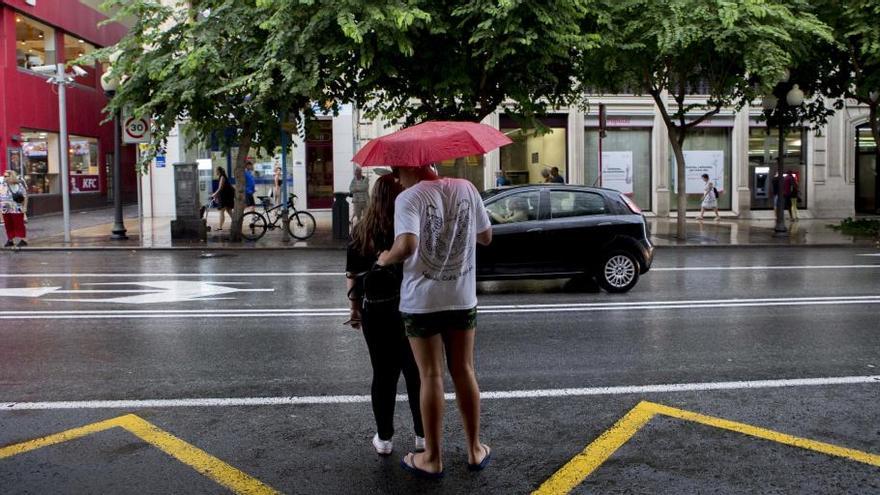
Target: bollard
{"points": [[340, 216]]}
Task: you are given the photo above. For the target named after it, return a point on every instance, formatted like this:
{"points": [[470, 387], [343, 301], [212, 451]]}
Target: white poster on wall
{"points": [[698, 163], [617, 171]]}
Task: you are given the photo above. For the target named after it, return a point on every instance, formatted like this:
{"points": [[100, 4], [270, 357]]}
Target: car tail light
{"points": [[633, 207]]}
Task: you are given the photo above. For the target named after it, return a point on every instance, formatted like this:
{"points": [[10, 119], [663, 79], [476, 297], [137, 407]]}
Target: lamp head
{"points": [[795, 96]]}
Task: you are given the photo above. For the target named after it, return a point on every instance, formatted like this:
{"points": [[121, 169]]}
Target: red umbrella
{"points": [[430, 142]]}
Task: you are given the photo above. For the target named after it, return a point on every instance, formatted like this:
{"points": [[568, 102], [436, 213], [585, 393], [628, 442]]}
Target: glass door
{"points": [[319, 164], [866, 172]]}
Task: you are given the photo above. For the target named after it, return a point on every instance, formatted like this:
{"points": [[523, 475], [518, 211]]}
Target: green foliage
{"points": [[733, 49], [462, 59]]}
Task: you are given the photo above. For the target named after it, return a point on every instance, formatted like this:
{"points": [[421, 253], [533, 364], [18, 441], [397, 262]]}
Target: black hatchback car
{"points": [[562, 231]]}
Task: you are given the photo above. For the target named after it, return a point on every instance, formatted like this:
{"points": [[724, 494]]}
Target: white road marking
{"points": [[341, 274], [498, 395], [690, 304], [164, 291], [871, 254]]}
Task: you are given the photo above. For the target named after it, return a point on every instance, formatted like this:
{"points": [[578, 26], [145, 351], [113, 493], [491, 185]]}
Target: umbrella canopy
{"points": [[430, 142]]}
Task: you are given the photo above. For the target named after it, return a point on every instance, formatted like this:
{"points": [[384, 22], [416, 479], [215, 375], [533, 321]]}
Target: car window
{"points": [[576, 204], [514, 208]]}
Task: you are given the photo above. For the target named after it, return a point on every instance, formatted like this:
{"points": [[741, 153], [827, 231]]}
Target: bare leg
{"points": [[460, 349], [429, 357], [222, 217], [702, 210]]}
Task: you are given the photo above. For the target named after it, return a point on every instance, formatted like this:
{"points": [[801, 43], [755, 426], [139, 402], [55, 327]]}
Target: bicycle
{"points": [[301, 224]]}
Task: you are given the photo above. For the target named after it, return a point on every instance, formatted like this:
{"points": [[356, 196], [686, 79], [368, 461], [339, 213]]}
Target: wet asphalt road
{"points": [[82, 327]]}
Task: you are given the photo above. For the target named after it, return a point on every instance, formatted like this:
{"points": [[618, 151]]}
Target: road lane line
{"points": [[341, 274], [490, 309], [497, 395], [205, 464]]}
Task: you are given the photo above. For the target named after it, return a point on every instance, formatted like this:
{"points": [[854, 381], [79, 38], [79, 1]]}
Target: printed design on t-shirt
{"points": [[444, 242]]}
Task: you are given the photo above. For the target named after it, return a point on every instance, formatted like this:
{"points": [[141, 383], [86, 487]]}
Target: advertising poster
{"points": [[617, 171], [698, 163]]}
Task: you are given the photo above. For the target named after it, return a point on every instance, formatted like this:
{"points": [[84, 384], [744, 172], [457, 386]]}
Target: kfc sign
{"points": [[84, 183]]}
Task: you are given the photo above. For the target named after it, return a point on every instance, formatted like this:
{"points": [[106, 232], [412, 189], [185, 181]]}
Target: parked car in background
{"points": [[564, 231]]}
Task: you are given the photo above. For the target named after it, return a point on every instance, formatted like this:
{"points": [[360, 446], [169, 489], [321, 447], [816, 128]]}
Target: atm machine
{"points": [[206, 179], [762, 188]]}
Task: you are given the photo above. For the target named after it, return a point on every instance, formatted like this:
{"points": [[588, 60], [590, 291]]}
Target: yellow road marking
{"points": [[206, 464], [575, 471]]}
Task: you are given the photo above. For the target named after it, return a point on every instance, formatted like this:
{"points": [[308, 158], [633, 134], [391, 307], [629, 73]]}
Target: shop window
{"points": [[706, 151], [565, 204], [763, 163], [40, 159], [625, 162], [470, 168], [519, 207], [75, 48], [34, 43], [532, 152], [84, 166]]}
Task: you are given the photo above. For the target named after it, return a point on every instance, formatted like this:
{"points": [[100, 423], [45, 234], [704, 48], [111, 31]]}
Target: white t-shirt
{"points": [[446, 215]]}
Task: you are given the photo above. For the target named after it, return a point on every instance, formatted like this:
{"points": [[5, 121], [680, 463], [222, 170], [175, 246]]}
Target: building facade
{"points": [[835, 166], [46, 32]]}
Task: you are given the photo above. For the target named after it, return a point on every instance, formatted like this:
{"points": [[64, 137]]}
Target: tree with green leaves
{"points": [[732, 50], [856, 60], [234, 69], [463, 59]]}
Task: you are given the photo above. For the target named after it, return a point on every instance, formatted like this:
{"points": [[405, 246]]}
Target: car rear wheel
{"points": [[618, 272]]}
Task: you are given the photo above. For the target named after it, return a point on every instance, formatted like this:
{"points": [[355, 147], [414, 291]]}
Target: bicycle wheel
{"points": [[253, 226], [301, 225]]}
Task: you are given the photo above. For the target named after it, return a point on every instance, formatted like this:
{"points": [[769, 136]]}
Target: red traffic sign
{"points": [[136, 130]]}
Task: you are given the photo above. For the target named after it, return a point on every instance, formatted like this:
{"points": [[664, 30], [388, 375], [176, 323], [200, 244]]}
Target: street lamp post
{"points": [[110, 84], [793, 99]]}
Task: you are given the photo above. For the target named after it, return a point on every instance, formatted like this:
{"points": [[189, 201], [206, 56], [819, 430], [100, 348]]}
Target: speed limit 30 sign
{"points": [[136, 130]]}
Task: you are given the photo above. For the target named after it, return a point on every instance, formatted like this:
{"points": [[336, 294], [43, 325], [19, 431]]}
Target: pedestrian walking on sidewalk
{"points": [[437, 225], [224, 196], [710, 198], [378, 316], [13, 205], [360, 194], [250, 186], [790, 191]]}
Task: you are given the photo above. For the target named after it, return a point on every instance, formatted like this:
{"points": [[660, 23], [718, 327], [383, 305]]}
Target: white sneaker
{"points": [[420, 444], [383, 447]]}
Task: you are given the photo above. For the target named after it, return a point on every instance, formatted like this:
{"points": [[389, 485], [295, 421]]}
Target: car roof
{"points": [[573, 187]]}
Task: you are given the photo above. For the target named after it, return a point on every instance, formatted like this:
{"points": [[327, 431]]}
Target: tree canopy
{"points": [[727, 51]]}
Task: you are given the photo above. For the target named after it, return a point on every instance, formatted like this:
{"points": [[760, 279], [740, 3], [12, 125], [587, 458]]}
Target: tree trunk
{"points": [[244, 147], [676, 140], [874, 122]]}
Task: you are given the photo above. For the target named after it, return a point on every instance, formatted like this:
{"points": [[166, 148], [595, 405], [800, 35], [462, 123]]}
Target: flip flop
{"points": [[419, 473], [485, 462]]}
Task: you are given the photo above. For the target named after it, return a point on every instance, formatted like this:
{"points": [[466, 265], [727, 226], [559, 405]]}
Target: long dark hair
{"points": [[221, 173], [375, 231]]}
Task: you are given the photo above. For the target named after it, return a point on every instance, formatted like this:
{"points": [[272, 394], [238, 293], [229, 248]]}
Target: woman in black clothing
{"points": [[380, 322], [224, 196]]}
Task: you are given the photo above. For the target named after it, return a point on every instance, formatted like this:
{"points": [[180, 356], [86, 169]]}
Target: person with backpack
{"points": [[13, 205], [374, 297], [710, 198], [790, 191]]}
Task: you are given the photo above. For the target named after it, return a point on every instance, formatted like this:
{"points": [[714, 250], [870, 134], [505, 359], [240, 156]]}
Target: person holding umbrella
{"points": [[437, 225]]}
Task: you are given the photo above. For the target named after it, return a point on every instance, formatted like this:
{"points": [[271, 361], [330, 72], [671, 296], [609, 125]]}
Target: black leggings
{"points": [[390, 354]]}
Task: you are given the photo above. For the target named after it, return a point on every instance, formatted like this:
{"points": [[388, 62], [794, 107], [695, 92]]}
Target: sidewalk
{"points": [[91, 230]]}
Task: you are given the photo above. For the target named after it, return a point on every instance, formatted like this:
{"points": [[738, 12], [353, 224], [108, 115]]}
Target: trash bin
{"points": [[340, 216]]}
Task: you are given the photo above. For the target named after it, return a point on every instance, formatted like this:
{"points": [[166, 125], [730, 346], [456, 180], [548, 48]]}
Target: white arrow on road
{"points": [[166, 291], [27, 291]]}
